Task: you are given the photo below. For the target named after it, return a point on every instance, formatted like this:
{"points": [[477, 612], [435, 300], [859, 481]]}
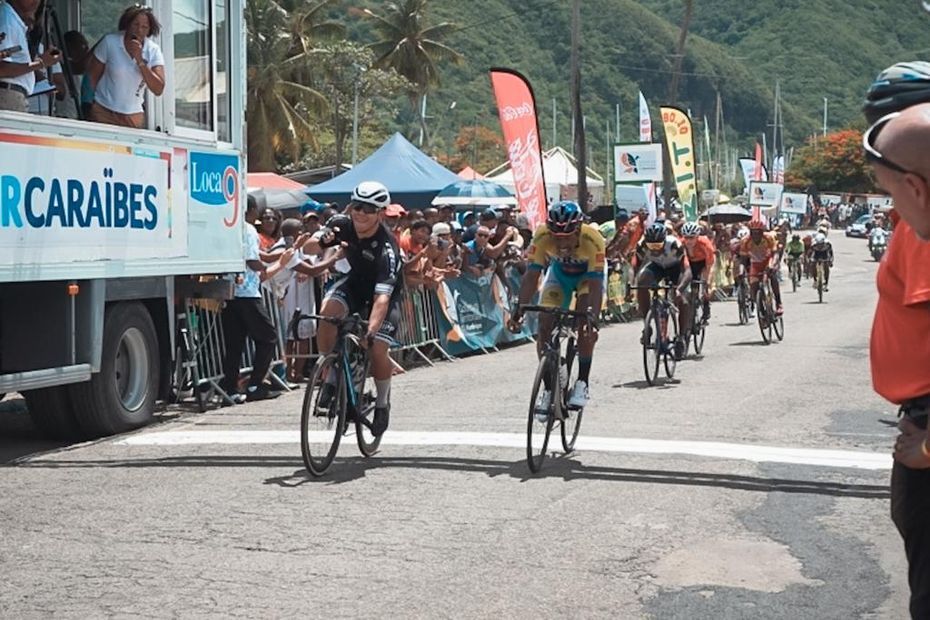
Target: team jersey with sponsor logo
{"points": [[587, 259], [759, 252]]}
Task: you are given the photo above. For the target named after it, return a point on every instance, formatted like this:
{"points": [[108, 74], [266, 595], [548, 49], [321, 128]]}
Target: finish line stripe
{"points": [[744, 452]]}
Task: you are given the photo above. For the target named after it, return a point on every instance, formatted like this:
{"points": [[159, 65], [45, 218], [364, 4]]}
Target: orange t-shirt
{"points": [[900, 343]]}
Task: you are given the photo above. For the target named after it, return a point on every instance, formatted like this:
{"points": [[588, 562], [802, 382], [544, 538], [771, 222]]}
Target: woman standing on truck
{"points": [[124, 64]]}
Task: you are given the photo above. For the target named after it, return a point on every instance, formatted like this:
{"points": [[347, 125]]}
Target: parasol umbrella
{"points": [[474, 192], [727, 214]]}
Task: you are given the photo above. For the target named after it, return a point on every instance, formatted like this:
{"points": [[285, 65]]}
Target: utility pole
{"points": [[680, 52], [554, 121], [581, 155], [355, 126], [824, 116]]}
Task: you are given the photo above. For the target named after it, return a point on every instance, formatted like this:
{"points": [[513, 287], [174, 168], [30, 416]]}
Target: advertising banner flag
{"points": [[679, 139], [516, 106], [635, 163], [645, 120], [778, 169], [765, 195]]}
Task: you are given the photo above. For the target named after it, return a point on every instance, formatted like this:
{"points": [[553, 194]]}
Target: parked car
{"points": [[858, 228]]}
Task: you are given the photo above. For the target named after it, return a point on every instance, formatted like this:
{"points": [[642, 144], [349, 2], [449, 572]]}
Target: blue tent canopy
{"points": [[409, 174]]}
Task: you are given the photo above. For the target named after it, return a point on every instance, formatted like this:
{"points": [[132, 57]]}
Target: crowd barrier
{"points": [[461, 316]]}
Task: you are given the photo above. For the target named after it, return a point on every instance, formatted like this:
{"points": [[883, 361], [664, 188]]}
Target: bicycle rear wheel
{"points": [[539, 428], [668, 356], [652, 347], [742, 302], [364, 412], [571, 418], [322, 418], [763, 315]]}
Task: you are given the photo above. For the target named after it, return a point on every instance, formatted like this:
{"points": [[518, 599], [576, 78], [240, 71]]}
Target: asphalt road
{"points": [[755, 486]]}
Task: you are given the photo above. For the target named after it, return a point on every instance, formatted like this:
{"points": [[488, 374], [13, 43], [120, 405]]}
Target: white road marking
{"points": [[712, 449]]}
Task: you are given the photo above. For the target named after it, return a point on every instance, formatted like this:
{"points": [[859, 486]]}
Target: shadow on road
{"points": [[642, 384], [749, 343], [564, 467], [567, 468]]}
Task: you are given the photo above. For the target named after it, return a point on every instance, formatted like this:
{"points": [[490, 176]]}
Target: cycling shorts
{"points": [[697, 269], [559, 286], [347, 292], [671, 275], [757, 269]]}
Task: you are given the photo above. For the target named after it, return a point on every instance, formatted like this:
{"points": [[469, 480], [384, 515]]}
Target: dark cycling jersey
{"points": [[376, 268], [823, 251]]}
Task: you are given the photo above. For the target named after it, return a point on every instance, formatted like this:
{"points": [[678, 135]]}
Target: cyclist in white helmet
{"points": [[371, 288]]}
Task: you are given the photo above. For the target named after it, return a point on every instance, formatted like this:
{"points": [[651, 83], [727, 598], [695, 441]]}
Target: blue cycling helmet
{"points": [[564, 217], [656, 233], [897, 87]]}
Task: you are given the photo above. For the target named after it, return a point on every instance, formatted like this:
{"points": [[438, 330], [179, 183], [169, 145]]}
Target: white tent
{"points": [[561, 174]]}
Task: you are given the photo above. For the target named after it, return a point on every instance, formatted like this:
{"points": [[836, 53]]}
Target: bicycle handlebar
{"points": [[353, 321]]}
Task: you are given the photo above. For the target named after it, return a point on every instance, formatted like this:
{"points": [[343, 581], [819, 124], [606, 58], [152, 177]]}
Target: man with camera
{"points": [[17, 67]]}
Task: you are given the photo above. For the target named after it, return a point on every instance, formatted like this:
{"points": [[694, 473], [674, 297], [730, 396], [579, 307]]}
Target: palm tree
{"points": [[278, 105], [413, 48]]}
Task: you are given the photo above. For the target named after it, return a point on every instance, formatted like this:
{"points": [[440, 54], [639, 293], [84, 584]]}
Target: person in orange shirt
{"points": [[701, 254], [898, 145], [762, 249]]}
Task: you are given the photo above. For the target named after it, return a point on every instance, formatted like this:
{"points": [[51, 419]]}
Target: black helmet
{"points": [[896, 88], [656, 233]]}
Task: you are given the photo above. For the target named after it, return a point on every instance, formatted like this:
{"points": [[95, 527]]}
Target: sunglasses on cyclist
{"points": [[367, 208], [655, 246], [873, 155]]}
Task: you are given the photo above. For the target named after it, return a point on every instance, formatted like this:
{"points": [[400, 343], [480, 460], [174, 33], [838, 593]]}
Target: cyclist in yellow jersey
{"points": [[574, 254]]}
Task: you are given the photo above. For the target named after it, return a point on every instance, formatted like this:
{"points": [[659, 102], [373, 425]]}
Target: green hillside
{"points": [[816, 48]]}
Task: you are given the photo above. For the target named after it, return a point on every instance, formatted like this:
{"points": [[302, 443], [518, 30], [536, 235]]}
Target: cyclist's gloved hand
{"points": [[515, 324]]}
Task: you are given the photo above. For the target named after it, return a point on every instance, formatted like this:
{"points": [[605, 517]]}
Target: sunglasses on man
{"points": [[873, 155]]}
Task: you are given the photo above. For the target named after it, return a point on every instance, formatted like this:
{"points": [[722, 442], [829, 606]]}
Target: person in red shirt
{"points": [[898, 147]]}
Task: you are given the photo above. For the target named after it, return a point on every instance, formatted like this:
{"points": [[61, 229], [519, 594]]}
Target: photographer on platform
{"points": [[18, 68]]}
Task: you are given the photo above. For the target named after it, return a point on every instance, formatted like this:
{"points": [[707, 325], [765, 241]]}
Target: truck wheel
{"points": [[51, 412], [121, 396]]}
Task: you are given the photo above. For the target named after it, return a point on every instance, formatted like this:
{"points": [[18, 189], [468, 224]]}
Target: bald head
{"points": [[905, 140]]}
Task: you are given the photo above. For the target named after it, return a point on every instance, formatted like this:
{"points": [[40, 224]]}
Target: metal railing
{"points": [[418, 331]]}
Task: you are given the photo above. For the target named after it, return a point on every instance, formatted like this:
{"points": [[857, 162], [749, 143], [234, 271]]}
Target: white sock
{"points": [[383, 388]]}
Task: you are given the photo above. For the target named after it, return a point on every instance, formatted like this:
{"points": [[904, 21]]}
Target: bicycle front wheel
{"points": [[364, 409], [571, 418], [778, 324], [698, 329], [322, 417], [669, 356], [819, 284], [763, 315], [742, 302], [539, 423], [652, 347]]}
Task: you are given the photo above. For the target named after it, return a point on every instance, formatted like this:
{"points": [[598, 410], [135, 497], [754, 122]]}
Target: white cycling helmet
{"points": [[742, 233], [373, 193], [691, 229], [820, 238]]}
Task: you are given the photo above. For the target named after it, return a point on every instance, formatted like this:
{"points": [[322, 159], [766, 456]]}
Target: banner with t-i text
{"points": [[517, 109], [679, 139]]}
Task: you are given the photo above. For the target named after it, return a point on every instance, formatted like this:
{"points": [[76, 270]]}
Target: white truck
{"points": [[104, 229]]}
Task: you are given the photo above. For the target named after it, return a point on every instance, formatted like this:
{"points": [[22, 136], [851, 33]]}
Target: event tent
{"points": [[409, 174], [561, 174]]}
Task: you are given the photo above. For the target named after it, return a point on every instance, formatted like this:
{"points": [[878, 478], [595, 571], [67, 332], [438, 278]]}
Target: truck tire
{"points": [[121, 396], [51, 412]]}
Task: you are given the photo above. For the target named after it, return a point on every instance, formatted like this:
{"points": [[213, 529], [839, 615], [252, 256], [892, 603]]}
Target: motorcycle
{"points": [[878, 243]]}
